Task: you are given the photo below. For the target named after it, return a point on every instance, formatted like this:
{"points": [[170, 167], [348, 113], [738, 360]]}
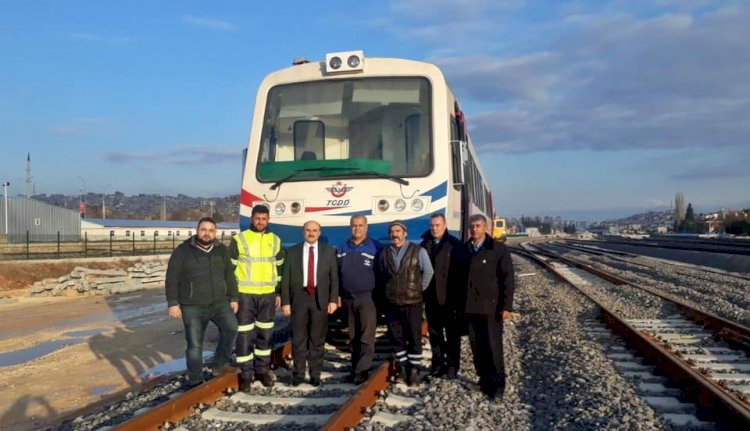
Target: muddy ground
{"points": [[58, 355]]}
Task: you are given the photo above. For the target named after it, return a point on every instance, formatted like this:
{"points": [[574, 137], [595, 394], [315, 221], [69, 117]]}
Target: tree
{"points": [[218, 217], [689, 224]]}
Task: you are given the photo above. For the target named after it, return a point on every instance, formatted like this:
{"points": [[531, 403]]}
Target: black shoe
{"points": [[315, 381], [360, 378], [297, 380], [438, 371], [413, 379], [191, 384], [267, 380], [451, 373]]}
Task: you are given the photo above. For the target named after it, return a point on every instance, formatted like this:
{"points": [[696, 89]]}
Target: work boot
{"points": [[413, 379], [246, 384], [266, 379]]}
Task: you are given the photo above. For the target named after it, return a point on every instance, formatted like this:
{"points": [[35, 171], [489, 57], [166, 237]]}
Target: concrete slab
{"points": [[241, 397], [620, 356], [697, 357], [388, 419], [306, 387], [745, 389], [214, 414], [397, 401], [631, 366], [726, 367], [683, 420], [732, 377], [652, 388], [643, 375], [668, 404]]}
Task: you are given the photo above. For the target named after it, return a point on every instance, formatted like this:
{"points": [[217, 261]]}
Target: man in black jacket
{"points": [[489, 302], [201, 288], [445, 297]]}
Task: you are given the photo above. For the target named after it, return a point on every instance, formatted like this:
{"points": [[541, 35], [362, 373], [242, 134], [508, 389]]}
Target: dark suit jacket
{"points": [[326, 283]]}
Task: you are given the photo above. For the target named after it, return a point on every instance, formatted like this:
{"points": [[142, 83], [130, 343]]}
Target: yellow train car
{"points": [[499, 228]]}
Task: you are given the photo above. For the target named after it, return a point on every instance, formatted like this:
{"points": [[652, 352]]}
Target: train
{"points": [[382, 137], [499, 228]]}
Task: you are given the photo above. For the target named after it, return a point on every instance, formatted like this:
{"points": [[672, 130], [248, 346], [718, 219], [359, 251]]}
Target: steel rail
{"points": [[726, 406], [179, 407]]}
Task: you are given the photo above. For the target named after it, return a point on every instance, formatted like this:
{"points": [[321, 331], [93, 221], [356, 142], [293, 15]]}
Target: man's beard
{"points": [[204, 243]]}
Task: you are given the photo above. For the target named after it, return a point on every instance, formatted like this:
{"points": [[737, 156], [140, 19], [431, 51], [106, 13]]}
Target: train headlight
{"points": [[417, 205], [296, 207], [345, 62], [280, 208], [353, 61], [400, 205], [383, 205], [334, 63]]}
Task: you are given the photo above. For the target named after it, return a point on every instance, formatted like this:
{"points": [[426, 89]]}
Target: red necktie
{"points": [[311, 271]]}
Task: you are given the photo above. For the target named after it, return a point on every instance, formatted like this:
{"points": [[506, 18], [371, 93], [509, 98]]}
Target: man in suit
{"points": [[309, 293]]}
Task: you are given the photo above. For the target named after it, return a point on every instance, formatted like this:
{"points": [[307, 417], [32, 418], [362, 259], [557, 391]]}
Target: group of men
{"points": [[456, 285]]}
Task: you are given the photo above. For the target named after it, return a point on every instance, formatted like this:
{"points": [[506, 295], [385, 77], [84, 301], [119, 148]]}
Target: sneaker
{"points": [[267, 380], [413, 377]]}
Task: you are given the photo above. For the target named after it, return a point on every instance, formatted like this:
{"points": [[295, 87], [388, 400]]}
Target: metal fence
{"points": [[72, 246]]}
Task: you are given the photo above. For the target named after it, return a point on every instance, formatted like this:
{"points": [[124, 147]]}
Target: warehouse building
{"points": [[36, 221], [100, 229]]}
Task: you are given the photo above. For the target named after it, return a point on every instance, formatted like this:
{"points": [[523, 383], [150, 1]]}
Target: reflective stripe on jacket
{"points": [[256, 265]]}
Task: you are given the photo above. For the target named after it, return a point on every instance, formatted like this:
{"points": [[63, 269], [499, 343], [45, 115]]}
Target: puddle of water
{"points": [[20, 356], [45, 348], [170, 367], [100, 390], [87, 332]]}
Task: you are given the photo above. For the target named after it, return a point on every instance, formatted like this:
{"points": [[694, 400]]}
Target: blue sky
{"points": [[580, 110]]}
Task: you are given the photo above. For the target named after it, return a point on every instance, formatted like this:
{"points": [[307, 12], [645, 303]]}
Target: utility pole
{"points": [[5, 194], [29, 178]]}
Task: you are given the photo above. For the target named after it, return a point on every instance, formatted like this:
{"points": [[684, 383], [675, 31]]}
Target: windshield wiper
{"points": [[295, 173], [393, 178]]}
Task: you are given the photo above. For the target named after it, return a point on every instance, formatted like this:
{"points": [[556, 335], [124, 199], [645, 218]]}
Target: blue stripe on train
{"points": [[335, 235]]}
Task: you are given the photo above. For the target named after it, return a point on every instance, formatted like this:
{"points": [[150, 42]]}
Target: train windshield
{"points": [[366, 127]]}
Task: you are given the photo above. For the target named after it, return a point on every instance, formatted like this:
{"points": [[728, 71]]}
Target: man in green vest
{"points": [[257, 255]]}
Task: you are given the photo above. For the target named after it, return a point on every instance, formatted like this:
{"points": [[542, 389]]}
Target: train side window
{"points": [[309, 139], [143, 233]]}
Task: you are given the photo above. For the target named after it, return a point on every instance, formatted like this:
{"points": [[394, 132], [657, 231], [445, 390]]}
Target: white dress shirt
{"points": [[305, 253]]}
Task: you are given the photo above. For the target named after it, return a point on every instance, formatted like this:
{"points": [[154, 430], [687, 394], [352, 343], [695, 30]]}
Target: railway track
{"points": [[335, 405], [689, 365]]}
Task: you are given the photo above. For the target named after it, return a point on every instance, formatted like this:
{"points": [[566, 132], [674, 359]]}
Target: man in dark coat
{"points": [[489, 302], [201, 288], [445, 297], [309, 293]]}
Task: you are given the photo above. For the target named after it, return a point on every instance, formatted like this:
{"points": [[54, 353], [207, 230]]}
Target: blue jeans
{"points": [[196, 318]]}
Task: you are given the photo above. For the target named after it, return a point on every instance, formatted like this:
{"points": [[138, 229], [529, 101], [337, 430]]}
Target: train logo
{"points": [[338, 190]]}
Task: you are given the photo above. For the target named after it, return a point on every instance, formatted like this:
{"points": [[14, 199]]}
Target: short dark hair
{"points": [[260, 209], [436, 215], [477, 217], [206, 219]]}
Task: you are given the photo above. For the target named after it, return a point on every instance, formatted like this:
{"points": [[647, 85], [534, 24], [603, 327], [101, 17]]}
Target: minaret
{"points": [[29, 178]]}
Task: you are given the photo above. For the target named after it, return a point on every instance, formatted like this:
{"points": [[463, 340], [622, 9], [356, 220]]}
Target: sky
{"points": [[587, 110]]}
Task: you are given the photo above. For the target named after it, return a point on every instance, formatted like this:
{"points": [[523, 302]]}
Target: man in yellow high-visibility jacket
{"points": [[257, 255]]}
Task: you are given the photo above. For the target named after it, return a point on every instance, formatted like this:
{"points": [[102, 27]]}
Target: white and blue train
{"points": [[380, 137]]}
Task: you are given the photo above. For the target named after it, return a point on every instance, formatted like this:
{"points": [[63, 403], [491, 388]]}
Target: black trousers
{"points": [[362, 324], [405, 327], [256, 320], [486, 338], [443, 323], [309, 328]]}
